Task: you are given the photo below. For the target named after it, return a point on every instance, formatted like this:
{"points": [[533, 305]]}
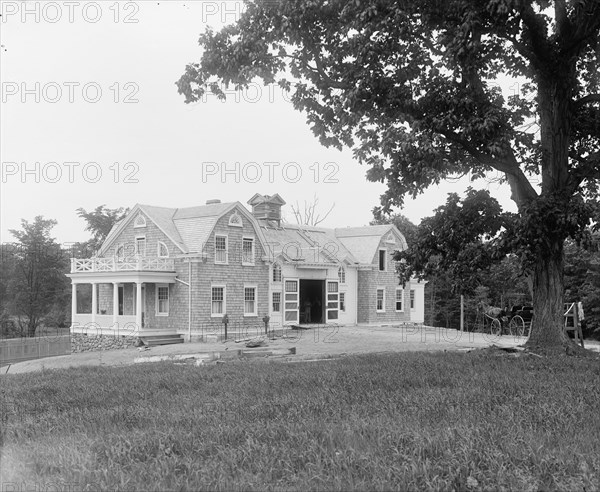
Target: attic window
{"points": [[163, 251], [140, 221], [276, 272], [390, 238], [235, 220]]}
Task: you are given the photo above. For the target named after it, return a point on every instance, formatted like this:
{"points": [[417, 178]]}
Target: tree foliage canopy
{"points": [[37, 283], [99, 222], [461, 239]]}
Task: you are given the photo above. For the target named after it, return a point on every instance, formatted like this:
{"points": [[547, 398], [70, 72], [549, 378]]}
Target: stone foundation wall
{"points": [[89, 343]]}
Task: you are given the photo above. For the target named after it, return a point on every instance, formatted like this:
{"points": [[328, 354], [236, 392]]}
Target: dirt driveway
{"points": [[313, 343]]}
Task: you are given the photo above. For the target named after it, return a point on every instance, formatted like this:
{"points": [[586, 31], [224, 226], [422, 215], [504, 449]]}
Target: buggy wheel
{"points": [[517, 326], [496, 327]]}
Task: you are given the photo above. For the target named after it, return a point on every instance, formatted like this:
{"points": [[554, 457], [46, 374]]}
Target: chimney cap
{"points": [[273, 199], [213, 201]]}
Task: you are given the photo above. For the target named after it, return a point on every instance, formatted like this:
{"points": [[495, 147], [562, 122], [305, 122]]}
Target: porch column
{"points": [[94, 301], [115, 304], [138, 305], [73, 303]]}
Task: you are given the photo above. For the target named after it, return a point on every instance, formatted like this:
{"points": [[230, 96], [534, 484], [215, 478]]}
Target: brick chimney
{"points": [[267, 209]]}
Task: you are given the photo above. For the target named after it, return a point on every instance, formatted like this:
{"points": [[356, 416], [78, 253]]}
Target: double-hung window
{"points": [[162, 300], [399, 299], [249, 301], [248, 251], [276, 302], [217, 300], [380, 300], [140, 245], [221, 249]]}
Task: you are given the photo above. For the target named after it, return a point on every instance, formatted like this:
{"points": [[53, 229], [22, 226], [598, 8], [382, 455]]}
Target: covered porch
{"points": [[110, 297]]}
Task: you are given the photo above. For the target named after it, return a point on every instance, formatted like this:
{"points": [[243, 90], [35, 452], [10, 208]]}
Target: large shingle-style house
{"points": [[167, 271]]}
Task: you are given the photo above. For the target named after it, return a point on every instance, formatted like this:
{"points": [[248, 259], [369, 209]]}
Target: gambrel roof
{"points": [[363, 242], [188, 228], [350, 245], [306, 244]]}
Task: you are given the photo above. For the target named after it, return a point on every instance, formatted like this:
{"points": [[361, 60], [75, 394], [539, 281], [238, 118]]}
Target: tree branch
{"points": [[586, 99], [588, 169], [536, 28], [521, 188], [563, 24], [586, 22], [321, 71]]}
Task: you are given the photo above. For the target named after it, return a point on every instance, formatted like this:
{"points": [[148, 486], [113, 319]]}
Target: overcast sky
{"points": [[88, 93]]}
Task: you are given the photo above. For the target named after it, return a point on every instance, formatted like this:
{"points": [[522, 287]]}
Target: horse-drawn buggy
{"points": [[503, 321], [517, 320]]}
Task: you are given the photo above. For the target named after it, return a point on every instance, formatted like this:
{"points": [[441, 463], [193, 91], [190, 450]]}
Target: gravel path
{"points": [[317, 342]]}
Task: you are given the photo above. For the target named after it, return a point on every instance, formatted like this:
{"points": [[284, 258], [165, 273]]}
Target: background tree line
{"points": [[34, 290]]}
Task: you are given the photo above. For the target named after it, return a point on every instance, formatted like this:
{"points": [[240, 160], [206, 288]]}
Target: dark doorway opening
{"points": [[121, 297], [312, 301]]}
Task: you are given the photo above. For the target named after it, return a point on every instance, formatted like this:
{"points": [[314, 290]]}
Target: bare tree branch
{"points": [[310, 216]]}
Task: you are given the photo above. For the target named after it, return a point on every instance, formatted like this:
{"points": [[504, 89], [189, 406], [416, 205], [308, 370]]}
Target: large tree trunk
{"points": [[547, 330]]}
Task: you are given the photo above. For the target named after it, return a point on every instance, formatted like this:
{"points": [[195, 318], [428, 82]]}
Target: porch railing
{"points": [[115, 264]]}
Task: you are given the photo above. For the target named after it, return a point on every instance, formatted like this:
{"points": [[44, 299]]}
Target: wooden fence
{"points": [[14, 350]]}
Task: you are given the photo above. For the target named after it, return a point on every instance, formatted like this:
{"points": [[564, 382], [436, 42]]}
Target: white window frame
{"points": [[159, 243], [332, 299], [342, 302], [342, 275], [273, 294], [401, 290], [248, 238], [276, 267], [120, 257], [291, 301], [384, 260], [224, 301], [156, 300], [413, 299], [137, 249], [137, 223], [382, 310], [255, 312], [226, 262]]}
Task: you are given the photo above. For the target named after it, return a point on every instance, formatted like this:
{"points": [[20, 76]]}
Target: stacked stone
{"points": [[88, 343]]}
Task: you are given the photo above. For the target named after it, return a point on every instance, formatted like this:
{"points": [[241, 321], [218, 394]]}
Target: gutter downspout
{"points": [[189, 286]]}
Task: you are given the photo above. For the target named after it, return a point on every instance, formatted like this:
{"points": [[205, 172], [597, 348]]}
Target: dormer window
{"points": [[140, 221], [235, 220]]}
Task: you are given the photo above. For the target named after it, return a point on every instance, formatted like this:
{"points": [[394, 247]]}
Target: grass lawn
{"points": [[376, 422]]}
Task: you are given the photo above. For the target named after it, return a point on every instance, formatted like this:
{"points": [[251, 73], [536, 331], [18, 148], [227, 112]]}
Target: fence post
{"points": [[462, 312]]}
